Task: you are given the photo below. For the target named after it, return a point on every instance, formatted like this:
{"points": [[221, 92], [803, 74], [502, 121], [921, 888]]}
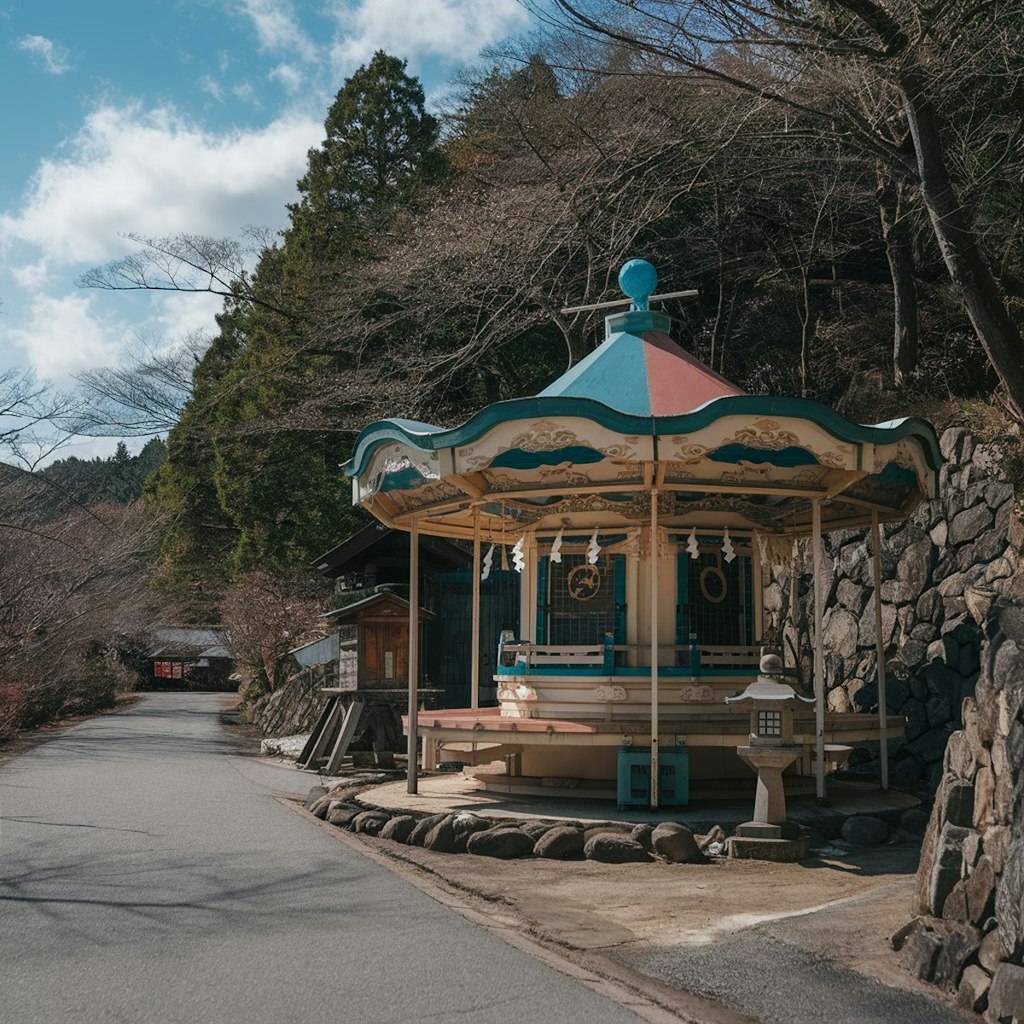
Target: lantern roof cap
{"points": [[767, 688]]}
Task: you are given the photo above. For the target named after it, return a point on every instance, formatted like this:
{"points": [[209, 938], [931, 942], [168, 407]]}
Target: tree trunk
{"points": [[728, 329], [899, 251], [959, 245], [808, 326], [718, 317]]}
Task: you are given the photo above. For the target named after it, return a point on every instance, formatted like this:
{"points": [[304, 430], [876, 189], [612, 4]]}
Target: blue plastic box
{"points": [[634, 777]]}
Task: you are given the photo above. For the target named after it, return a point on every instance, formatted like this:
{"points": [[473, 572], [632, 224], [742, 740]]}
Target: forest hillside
{"points": [[840, 183]]}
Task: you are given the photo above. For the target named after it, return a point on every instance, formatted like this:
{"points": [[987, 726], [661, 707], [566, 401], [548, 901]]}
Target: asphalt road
{"points": [[148, 875]]}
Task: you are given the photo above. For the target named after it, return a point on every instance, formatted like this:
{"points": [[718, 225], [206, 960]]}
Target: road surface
{"points": [[148, 875]]}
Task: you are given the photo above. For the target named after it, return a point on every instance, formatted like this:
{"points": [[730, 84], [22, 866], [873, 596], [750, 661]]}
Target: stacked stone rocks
{"points": [[969, 936], [940, 571], [293, 707], [511, 838]]}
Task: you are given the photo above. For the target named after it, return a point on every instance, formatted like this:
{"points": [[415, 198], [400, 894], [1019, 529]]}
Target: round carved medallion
{"points": [[713, 584], [584, 582]]}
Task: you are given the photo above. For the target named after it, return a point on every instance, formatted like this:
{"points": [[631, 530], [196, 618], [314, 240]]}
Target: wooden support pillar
{"points": [[876, 565], [528, 627], [414, 656], [819, 649], [474, 669], [653, 555], [756, 572]]}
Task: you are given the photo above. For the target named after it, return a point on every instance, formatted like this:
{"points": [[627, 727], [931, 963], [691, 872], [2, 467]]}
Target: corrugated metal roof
{"points": [[318, 652], [190, 642]]}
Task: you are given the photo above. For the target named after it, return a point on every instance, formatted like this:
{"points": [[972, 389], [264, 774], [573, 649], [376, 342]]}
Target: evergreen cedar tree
{"points": [[380, 148], [120, 477], [248, 496]]}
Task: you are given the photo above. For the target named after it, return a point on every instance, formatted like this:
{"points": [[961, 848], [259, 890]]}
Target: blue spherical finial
{"points": [[638, 279]]}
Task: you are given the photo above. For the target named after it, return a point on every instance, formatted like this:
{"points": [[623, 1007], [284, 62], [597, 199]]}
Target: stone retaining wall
{"points": [[292, 708], [953, 627], [969, 936], [940, 572]]}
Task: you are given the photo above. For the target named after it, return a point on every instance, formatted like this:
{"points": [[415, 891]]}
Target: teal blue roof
{"points": [[615, 373], [638, 369], [638, 381], [618, 374], [547, 407]]}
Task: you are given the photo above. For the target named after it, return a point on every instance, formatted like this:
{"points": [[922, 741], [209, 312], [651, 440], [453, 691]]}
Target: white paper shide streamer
{"points": [[488, 559], [593, 548], [727, 548], [691, 543], [556, 547], [518, 561]]}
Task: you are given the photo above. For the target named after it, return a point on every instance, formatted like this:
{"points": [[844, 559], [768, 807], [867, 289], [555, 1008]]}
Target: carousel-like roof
{"points": [[641, 371], [638, 412]]}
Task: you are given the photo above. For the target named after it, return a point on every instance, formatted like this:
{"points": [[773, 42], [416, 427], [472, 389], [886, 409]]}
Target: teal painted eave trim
{"points": [[636, 671], [432, 439]]}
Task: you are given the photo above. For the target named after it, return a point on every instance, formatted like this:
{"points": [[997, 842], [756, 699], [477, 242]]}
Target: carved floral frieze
{"points": [[609, 693], [763, 435], [563, 473], [548, 436], [696, 694]]}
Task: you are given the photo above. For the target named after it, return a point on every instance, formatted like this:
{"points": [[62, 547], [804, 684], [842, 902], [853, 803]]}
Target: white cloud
{"points": [[211, 87], [290, 77], [245, 92], [156, 173], [52, 56], [177, 316], [450, 29], [93, 448], [278, 28], [31, 276], [62, 336], [443, 97]]}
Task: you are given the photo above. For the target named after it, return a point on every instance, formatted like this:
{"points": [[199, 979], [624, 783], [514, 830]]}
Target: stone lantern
{"points": [[769, 752]]}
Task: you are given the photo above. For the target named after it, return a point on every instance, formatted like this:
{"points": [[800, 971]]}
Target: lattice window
{"points": [[769, 723], [575, 621], [721, 598]]}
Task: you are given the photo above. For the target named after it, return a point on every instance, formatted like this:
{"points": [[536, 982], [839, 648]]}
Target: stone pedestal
{"points": [[748, 848], [761, 838], [769, 762]]}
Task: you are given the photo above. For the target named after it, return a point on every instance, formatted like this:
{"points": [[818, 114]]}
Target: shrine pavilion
{"points": [[642, 497]]}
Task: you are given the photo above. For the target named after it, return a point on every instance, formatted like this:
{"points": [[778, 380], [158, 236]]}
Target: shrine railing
{"points": [[524, 658]]}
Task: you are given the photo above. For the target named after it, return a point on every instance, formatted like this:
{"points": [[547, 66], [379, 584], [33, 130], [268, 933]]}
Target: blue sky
{"points": [[159, 116]]}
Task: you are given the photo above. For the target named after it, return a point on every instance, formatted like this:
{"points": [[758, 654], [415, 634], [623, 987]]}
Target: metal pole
{"points": [[474, 669], [654, 648], [414, 656], [819, 652], [876, 563]]}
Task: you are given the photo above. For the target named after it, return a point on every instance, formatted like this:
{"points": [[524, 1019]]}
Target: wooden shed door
{"points": [[387, 652]]}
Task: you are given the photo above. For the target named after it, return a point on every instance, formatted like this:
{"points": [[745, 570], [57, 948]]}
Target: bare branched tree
{"points": [[528, 231], [266, 615], [34, 418], [144, 394], [189, 263], [73, 593], [802, 55]]}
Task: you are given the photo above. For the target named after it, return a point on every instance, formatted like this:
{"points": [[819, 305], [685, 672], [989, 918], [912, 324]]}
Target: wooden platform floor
{"points": [[456, 792]]}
